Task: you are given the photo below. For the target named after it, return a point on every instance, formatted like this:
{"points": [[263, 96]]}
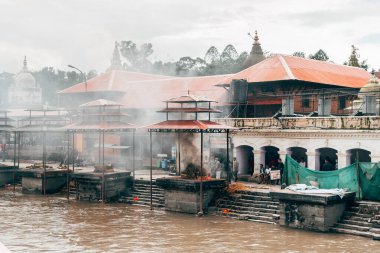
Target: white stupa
{"points": [[25, 90]]}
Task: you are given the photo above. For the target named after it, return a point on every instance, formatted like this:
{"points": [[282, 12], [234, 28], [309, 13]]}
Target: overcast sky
{"points": [[82, 32]]}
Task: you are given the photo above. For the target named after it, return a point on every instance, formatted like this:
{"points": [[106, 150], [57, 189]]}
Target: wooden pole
{"points": [[357, 171], [68, 165], [100, 143], [228, 158], [18, 150], [201, 184], [74, 158], [179, 153], [103, 179], [151, 168], [44, 159], [133, 156], [14, 161]]}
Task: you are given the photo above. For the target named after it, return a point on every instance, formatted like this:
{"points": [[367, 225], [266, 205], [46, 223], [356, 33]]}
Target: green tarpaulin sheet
{"points": [[368, 175]]}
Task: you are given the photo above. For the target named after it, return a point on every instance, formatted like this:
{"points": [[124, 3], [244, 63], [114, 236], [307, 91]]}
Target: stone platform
{"points": [[33, 180], [316, 212], [6, 174], [183, 195], [89, 185]]}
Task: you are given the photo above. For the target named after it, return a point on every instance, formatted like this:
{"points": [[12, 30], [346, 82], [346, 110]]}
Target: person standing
{"points": [[302, 162], [327, 166], [281, 168], [235, 165]]}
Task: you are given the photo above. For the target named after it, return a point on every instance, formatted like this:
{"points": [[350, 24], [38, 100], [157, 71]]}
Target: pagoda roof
{"points": [[139, 90], [285, 67], [116, 126], [190, 110], [189, 98], [113, 80], [100, 102]]}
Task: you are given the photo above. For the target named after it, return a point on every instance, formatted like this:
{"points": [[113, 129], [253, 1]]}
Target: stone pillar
{"points": [[283, 153], [375, 157], [313, 160], [259, 157], [344, 159]]}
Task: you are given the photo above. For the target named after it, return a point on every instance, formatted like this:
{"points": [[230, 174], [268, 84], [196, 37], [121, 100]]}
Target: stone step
{"points": [[249, 211], [146, 197], [353, 227], [356, 222], [146, 194], [355, 218], [248, 217], [352, 232], [253, 193], [254, 197], [375, 233], [147, 204], [148, 191], [143, 202], [253, 201], [269, 205], [361, 215], [259, 204]]}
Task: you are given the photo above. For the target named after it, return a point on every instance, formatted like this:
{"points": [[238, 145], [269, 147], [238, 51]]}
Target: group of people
{"points": [[265, 173], [215, 167]]}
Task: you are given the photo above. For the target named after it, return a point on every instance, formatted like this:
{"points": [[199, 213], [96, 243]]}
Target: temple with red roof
{"points": [[257, 91]]}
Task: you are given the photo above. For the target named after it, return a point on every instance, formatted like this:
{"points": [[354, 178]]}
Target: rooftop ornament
{"points": [[186, 114]]}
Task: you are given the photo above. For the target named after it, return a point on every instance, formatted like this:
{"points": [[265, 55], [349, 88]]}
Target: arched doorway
{"points": [[327, 153], [271, 155], [298, 154], [244, 155], [364, 155]]}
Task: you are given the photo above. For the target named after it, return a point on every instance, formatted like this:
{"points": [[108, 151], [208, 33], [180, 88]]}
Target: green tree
{"points": [[320, 55], [52, 81], [212, 55], [137, 58], [299, 54]]}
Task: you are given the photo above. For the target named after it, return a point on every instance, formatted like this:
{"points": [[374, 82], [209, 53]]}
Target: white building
{"points": [[25, 90]]}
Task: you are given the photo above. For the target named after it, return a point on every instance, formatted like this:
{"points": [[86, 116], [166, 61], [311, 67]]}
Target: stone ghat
{"points": [[254, 206], [89, 185], [315, 212], [362, 219], [185, 196], [140, 195], [6, 174], [33, 180]]}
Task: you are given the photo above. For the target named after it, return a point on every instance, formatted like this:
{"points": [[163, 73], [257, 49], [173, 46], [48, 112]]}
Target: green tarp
{"points": [[347, 178]]}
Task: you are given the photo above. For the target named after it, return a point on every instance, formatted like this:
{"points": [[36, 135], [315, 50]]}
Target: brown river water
{"points": [[30, 223]]}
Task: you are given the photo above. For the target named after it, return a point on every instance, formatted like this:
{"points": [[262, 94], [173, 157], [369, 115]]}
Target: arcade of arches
{"points": [[255, 148]]}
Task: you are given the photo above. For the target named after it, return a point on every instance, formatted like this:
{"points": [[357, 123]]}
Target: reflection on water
{"points": [[31, 223]]}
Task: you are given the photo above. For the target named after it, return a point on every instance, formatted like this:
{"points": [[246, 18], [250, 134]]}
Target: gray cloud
{"points": [[373, 38], [82, 32]]}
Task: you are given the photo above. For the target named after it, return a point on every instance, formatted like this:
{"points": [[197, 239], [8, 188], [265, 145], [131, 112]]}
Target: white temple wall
{"points": [[312, 140]]}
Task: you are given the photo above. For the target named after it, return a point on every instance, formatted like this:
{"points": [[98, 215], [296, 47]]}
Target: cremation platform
{"points": [[183, 195], [316, 212], [89, 185], [6, 174], [33, 180]]}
